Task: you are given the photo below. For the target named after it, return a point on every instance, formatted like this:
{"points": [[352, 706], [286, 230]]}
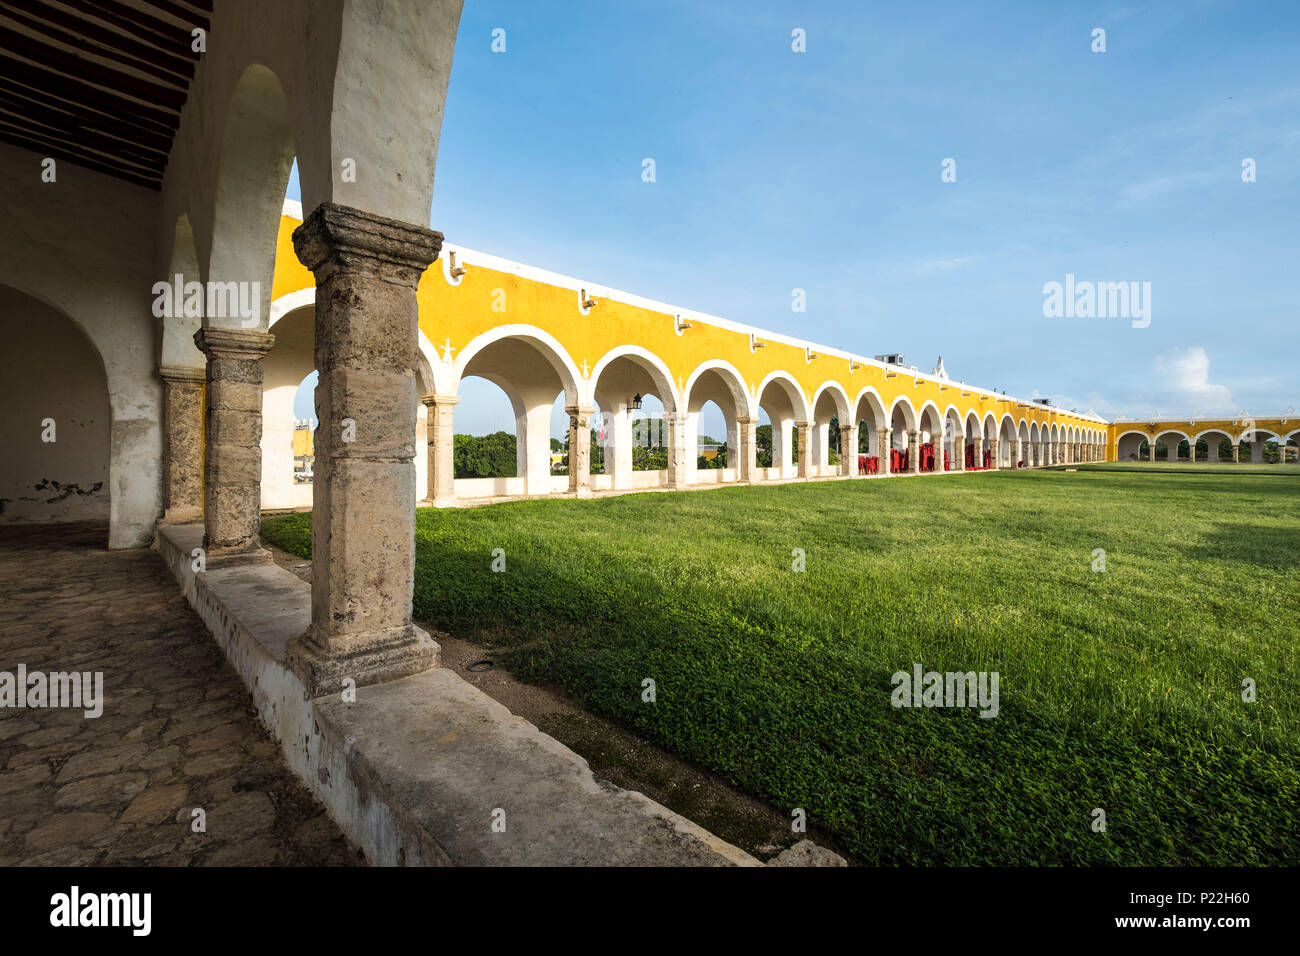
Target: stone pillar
{"points": [[746, 463], [579, 448], [958, 452], [994, 463], [884, 443], [849, 451], [232, 467], [1236, 452], [441, 431], [1151, 451], [1257, 451], [677, 464], [804, 433], [363, 522], [183, 438], [914, 452]]}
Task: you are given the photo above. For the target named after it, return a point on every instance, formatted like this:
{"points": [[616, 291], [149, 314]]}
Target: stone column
{"points": [[183, 435], [1236, 452], [849, 451], [363, 522], [441, 431], [803, 444], [914, 452], [579, 448], [677, 463], [746, 463], [994, 463], [958, 452], [884, 443], [232, 467]]}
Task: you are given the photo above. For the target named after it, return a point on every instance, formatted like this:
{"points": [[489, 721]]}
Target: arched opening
{"points": [[1171, 445], [1024, 450], [930, 452], [1007, 443], [780, 402], [535, 378], [826, 454], [714, 402], [1263, 447], [974, 442], [870, 415], [634, 396], [1131, 446], [56, 431], [903, 453]]}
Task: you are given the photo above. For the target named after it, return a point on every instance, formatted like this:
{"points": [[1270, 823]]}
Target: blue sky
{"points": [[821, 170]]}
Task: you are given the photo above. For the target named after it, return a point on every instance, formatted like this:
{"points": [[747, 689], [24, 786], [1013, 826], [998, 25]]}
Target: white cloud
{"points": [[1185, 375]]}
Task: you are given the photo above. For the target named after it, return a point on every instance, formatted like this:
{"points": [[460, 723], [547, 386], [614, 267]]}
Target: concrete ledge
{"points": [[418, 771]]}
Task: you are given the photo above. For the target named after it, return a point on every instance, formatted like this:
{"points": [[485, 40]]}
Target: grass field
{"points": [[1119, 690]]}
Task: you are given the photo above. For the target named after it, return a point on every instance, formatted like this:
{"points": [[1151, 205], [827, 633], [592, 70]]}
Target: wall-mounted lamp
{"points": [[755, 344], [680, 325], [636, 400], [586, 302], [808, 354], [454, 270], [853, 366]]}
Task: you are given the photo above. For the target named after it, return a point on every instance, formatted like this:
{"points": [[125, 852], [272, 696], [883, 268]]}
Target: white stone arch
{"points": [[869, 407], [1123, 450], [254, 159], [507, 356], [1034, 457], [829, 399], [780, 396], [720, 382], [1006, 441], [545, 343], [621, 374]]}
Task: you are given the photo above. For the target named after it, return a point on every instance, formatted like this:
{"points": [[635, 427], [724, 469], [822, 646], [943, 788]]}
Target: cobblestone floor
{"points": [[177, 731]]}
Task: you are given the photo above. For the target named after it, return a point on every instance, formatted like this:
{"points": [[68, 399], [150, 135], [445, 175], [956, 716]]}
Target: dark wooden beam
{"points": [[114, 123], [176, 77], [143, 27], [79, 66], [57, 128], [43, 148], [38, 77], [183, 14], [103, 35]]}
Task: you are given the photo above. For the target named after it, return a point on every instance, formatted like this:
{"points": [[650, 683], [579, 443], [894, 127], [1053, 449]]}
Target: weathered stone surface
{"points": [[110, 791], [807, 853], [155, 804]]}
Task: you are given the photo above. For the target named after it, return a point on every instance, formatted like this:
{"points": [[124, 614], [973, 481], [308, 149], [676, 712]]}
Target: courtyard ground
{"points": [[1120, 690], [177, 730]]}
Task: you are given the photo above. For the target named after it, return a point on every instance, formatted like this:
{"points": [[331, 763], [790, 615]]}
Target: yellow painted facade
{"points": [[452, 316]]}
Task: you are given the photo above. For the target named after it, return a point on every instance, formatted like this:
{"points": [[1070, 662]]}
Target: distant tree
{"points": [[763, 446], [485, 456]]}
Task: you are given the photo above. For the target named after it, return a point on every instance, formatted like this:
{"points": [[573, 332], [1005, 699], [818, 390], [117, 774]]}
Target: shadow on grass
{"points": [[1265, 546]]}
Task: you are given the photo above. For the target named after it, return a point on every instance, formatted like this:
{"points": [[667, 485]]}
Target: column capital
{"points": [[233, 343], [181, 374], [432, 401], [335, 236], [745, 420]]}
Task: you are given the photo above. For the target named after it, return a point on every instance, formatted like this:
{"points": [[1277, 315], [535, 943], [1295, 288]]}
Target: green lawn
{"points": [[1120, 690]]}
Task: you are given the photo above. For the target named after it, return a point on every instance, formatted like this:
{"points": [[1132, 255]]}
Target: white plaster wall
{"points": [[84, 245], [48, 369]]}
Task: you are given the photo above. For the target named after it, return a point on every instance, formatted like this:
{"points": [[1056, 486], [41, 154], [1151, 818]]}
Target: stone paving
{"points": [[177, 730]]}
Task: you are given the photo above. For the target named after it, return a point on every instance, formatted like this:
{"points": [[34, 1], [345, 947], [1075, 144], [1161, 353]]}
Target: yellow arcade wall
{"points": [[462, 312]]}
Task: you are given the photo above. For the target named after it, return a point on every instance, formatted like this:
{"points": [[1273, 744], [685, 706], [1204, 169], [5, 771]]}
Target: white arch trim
{"points": [[636, 351], [570, 378]]}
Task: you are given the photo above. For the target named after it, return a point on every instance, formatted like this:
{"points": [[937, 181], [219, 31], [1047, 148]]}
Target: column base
{"points": [[365, 659], [230, 557]]}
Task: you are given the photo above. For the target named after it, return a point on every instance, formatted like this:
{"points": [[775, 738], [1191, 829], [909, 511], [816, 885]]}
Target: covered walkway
{"points": [[176, 732]]}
